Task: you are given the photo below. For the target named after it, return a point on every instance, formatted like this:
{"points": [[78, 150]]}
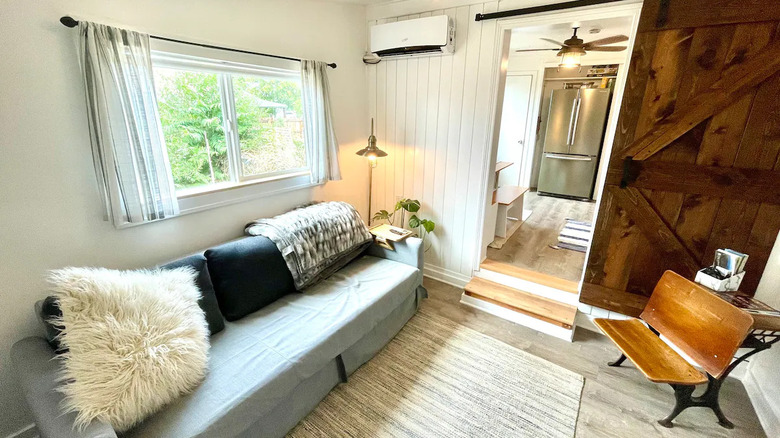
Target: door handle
{"points": [[568, 157], [571, 120], [576, 118]]}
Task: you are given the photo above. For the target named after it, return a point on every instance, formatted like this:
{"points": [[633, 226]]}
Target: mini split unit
{"points": [[420, 36]]}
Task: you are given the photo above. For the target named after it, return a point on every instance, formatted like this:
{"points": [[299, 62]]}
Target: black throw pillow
{"points": [[48, 311], [208, 300], [248, 274]]}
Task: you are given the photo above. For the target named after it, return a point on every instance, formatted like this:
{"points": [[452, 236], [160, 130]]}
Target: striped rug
{"points": [[575, 235], [440, 379]]}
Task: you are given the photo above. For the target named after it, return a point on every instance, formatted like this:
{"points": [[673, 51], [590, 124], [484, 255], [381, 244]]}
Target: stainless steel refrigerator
{"points": [[572, 143]]}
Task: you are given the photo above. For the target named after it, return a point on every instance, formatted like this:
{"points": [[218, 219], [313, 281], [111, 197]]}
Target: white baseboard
{"points": [[29, 431], [446, 276], [586, 322], [518, 318], [541, 290], [762, 405]]}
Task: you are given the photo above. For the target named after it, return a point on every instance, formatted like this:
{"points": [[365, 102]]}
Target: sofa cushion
{"points": [[208, 300], [257, 361], [248, 274]]}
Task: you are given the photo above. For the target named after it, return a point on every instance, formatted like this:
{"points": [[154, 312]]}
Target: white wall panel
{"points": [[436, 114]]}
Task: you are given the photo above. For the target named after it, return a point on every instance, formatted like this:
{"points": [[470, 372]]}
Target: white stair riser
{"points": [[529, 287], [518, 318]]}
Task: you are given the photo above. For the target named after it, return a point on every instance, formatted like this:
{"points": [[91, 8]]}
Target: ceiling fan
{"points": [[573, 48]]}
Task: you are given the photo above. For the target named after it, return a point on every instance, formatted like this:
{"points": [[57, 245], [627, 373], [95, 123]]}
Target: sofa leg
{"points": [[342, 369]]}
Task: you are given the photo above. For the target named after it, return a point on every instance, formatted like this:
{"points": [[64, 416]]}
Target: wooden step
{"points": [[506, 195], [543, 309], [532, 276]]}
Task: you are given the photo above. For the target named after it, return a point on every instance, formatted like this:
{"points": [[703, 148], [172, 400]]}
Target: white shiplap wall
{"points": [[432, 117]]}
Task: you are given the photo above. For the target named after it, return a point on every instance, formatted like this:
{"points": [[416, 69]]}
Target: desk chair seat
{"points": [[652, 356]]}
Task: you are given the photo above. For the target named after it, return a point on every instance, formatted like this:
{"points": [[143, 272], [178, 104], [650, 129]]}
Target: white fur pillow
{"points": [[136, 340]]}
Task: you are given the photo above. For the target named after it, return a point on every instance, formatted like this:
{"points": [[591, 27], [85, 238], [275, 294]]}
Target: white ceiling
{"points": [[357, 2], [528, 37]]}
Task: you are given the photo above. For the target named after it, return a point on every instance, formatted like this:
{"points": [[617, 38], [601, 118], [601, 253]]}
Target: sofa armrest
{"points": [[408, 251], [37, 368]]}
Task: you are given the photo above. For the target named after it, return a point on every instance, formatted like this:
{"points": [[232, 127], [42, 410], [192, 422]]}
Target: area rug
{"points": [[440, 379], [575, 235]]}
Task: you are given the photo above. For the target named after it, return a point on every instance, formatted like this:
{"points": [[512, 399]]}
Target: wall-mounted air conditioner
{"points": [[420, 36]]}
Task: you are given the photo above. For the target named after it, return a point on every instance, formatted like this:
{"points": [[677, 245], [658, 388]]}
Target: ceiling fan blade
{"points": [[607, 40], [537, 50], [606, 49], [557, 43]]}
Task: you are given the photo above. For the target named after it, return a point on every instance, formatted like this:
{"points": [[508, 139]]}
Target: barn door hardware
{"points": [[663, 13], [631, 170]]}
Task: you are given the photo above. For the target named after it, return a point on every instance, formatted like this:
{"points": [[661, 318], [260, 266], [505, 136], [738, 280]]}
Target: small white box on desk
{"points": [[727, 284]]}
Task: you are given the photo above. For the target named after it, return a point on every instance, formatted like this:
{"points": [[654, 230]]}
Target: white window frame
{"points": [[241, 187]]}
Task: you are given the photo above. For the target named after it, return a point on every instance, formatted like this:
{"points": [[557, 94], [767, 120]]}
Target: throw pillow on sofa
{"points": [[248, 274], [208, 300], [136, 341], [48, 310]]}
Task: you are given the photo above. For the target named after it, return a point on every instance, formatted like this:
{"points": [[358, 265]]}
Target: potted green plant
{"points": [[422, 226]]}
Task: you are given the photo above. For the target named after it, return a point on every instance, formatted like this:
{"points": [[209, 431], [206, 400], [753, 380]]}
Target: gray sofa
{"points": [[269, 369]]}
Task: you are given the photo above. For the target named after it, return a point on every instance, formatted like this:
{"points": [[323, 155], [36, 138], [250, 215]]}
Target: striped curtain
{"points": [[128, 149], [322, 148]]}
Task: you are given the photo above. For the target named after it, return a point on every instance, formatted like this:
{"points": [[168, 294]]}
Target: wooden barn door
{"points": [[695, 162]]}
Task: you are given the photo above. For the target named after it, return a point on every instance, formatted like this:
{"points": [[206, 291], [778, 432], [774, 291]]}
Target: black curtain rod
{"points": [[544, 8], [70, 22]]}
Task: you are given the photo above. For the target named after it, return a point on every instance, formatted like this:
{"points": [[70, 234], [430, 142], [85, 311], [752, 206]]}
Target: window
{"points": [[228, 124]]}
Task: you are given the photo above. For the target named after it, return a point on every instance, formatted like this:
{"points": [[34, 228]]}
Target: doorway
{"points": [[555, 180], [558, 166]]}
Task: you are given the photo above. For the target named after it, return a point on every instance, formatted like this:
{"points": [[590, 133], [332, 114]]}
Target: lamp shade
{"points": [[371, 151], [570, 57]]}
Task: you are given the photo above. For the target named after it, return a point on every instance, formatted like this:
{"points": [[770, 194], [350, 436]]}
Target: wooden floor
{"points": [[529, 247], [616, 402]]}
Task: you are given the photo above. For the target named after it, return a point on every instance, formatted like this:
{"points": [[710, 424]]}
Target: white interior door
{"points": [[513, 136]]}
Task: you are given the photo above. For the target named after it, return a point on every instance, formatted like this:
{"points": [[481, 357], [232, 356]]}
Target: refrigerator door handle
{"points": [[569, 137], [578, 102], [568, 157]]}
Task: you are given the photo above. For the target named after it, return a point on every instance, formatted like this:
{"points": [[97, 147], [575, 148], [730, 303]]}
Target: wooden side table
{"points": [[765, 333]]}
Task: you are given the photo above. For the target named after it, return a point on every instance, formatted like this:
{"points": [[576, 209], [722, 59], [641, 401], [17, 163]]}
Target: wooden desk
{"points": [[760, 321], [766, 322], [765, 333]]}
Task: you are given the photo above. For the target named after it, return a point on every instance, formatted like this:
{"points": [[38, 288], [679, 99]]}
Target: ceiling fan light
{"points": [[570, 59]]}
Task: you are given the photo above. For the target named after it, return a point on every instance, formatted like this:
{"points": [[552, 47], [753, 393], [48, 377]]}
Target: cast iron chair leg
{"points": [[682, 395], [722, 420], [618, 362], [710, 399]]}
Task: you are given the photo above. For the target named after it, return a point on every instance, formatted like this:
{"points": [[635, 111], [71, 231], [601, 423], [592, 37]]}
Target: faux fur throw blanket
{"points": [[315, 241]]}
